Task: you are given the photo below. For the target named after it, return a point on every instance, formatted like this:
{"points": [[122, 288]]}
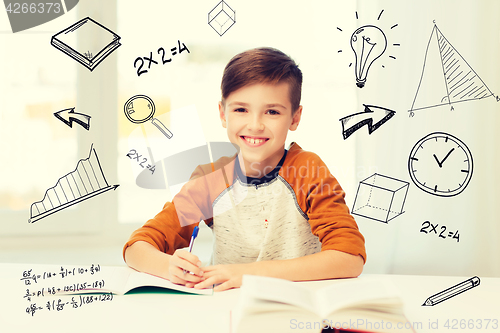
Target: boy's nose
{"points": [[256, 124]]}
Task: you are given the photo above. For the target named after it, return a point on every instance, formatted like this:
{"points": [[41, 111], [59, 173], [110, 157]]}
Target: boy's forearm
{"points": [[327, 264], [144, 257]]}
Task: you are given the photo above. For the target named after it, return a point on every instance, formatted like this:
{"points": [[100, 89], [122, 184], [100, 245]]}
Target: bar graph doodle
{"points": [[446, 77], [85, 182]]}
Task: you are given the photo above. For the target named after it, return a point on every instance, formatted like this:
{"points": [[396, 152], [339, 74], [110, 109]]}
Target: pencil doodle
{"points": [[380, 198], [366, 118], [452, 291], [446, 77], [85, 182], [442, 234], [26, 15], [93, 43], [68, 116], [221, 18], [140, 108], [369, 43], [444, 168]]}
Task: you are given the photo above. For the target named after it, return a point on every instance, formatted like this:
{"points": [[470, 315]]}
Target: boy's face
{"points": [[258, 118]]}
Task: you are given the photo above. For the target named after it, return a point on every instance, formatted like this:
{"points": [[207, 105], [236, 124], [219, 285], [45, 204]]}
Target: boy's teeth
{"points": [[253, 141]]}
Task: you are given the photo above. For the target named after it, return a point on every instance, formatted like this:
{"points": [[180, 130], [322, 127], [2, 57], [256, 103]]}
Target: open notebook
{"points": [[120, 280]]}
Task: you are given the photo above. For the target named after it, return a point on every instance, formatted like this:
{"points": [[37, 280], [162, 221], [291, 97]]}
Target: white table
{"points": [[173, 312]]}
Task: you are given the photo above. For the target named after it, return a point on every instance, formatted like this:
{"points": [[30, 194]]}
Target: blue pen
{"points": [[193, 237]]}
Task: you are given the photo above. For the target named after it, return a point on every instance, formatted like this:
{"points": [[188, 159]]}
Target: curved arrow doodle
{"points": [[68, 116], [366, 119]]}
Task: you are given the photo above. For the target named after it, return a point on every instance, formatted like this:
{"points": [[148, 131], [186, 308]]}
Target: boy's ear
{"points": [[296, 119], [222, 115]]}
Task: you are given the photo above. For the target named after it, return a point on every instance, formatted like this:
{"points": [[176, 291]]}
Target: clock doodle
{"points": [[440, 164]]}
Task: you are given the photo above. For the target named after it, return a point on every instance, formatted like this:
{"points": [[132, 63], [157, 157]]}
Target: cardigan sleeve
{"points": [[321, 197], [172, 227]]}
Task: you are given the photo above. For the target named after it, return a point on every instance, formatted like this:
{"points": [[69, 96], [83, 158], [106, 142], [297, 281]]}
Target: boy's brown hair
{"points": [[262, 65]]}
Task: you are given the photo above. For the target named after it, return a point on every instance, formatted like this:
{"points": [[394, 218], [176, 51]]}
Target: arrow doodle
{"points": [[68, 116], [366, 119]]}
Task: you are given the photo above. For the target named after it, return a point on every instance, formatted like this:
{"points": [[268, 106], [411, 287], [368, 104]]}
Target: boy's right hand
{"points": [[181, 264]]}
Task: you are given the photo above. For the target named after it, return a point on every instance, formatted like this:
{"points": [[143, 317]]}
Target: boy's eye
{"points": [[273, 112]]}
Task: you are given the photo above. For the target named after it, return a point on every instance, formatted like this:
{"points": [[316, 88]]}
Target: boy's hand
{"points": [[229, 276], [181, 264]]}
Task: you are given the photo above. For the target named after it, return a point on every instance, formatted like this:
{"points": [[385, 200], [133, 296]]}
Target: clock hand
{"points": [[452, 149], [439, 163]]}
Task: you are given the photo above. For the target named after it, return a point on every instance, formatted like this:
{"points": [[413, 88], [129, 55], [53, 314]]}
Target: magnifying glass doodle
{"points": [[140, 108]]}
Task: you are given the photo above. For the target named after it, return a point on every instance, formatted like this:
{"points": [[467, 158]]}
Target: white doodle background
{"points": [[37, 80]]}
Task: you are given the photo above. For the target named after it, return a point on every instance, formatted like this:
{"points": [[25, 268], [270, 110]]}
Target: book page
{"points": [[361, 293], [139, 279], [278, 290]]}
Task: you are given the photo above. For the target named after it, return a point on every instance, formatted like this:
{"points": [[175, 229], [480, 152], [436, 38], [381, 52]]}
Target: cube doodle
{"points": [[221, 18], [380, 198]]}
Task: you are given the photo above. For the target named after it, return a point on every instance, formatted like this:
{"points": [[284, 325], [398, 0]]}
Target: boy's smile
{"points": [[258, 118]]}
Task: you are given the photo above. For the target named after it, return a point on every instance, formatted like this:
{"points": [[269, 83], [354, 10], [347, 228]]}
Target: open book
{"points": [[356, 305], [120, 280]]}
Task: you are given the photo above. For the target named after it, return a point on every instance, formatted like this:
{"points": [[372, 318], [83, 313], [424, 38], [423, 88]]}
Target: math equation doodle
{"points": [[85, 182], [133, 154], [140, 61], [75, 302], [442, 234], [56, 282], [29, 276]]}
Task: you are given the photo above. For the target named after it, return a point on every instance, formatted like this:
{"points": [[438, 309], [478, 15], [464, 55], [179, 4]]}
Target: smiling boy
{"points": [[273, 211]]}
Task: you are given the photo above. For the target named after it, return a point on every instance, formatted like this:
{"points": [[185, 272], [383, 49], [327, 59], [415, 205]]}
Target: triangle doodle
{"points": [[446, 77]]}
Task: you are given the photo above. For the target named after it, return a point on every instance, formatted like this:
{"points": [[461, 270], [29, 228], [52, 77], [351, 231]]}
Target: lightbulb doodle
{"points": [[369, 43], [446, 78]]}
